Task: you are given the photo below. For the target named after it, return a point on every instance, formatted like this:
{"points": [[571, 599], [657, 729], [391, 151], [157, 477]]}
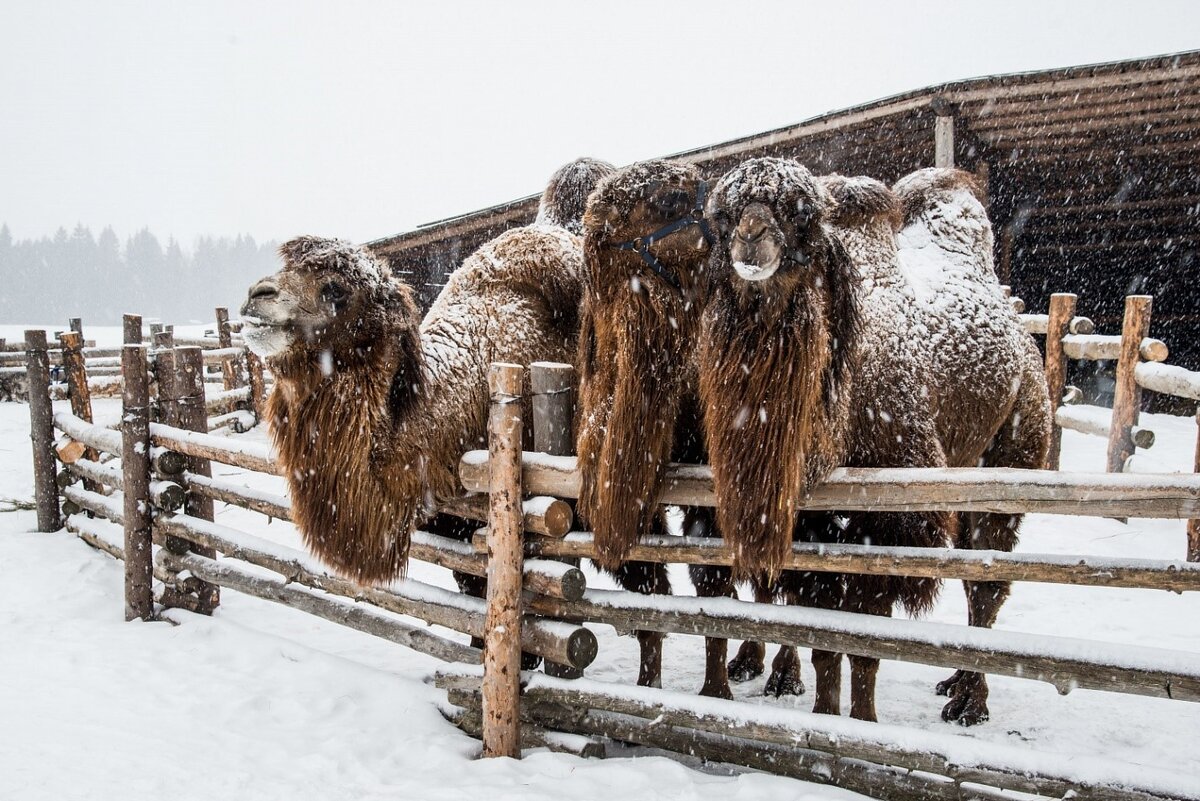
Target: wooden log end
{"points": [[1154, 350], [559, 518], [170, 463], [70, 508], [69, 450], [582, 648], [171, 497], [1143, 437], [574, 584]]}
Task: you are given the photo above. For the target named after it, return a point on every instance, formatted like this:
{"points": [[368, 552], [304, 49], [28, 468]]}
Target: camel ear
{"points": [[842, 280]]}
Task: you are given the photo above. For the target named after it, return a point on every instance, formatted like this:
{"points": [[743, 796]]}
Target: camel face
{"points": [[637, 202], [329, 297], [768, 214]]}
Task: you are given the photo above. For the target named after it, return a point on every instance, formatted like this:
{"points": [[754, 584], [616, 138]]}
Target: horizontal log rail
{"points": [[549, 517], [1168, 379], [993, 489], [546, 699], [1097, 420], [1067, 663], [1098, 347], [1038, 323], [247, 455], [946, 563], [166, 495], [541, 576]]}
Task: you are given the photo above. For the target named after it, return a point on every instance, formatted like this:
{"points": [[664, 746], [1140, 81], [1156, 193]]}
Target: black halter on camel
{"points": [[642, 243]]}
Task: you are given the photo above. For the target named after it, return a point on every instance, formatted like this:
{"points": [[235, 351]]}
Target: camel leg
{"points": [[749, 661], [828, 666], [1021, 442], [648, 578], [711, 582]]}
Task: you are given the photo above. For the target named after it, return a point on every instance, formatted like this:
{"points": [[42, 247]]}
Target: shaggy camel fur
{"points": [[565, 199], [821, 339], [637, 403], [373, 407]]}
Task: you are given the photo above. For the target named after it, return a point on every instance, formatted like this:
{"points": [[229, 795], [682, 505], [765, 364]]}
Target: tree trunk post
{"points": [[41, 430], [258, 390], [135, 475], [553, 388], [131, 329], [77, 384], [502, 634], [193, 416], [169, 391], [230, 370], [1127, 397], [1193, 526], [1062, 310], [943, 141]]}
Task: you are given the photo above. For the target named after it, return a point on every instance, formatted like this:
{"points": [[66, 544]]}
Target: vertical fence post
{"points": [[502, 635], [41, 430], [553, 389], [131, 329], [1193, 526], [193, 416], [135, 473], [230, 370], [943, 141], [169, 391], [1127, 397], [77, 386], [258, 391], [1062, 310]]}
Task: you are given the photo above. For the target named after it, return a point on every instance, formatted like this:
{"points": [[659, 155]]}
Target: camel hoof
{"points": [[947, 687], [741, 670], [717, 691], [965, 711], [781, 684]]}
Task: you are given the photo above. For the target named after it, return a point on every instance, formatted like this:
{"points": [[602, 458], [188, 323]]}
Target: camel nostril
{"points": [[263, 290]]}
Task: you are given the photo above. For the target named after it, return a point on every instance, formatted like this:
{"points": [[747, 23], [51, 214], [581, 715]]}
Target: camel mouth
{"points": [[754, 272], [265, 337]]}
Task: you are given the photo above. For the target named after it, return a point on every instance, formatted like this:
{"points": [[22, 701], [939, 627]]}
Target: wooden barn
{"points": [[1093, 177]]}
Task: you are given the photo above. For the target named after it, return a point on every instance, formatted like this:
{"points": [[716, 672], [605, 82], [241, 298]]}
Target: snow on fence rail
{"points": [[554, 601]]}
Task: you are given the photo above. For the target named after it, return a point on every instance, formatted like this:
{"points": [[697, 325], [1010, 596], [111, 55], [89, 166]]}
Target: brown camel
{"points": [[823, 341], [645, 247], [373, 407]]}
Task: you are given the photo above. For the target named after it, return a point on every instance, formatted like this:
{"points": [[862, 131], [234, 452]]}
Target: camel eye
{"points": [[333, 293]]}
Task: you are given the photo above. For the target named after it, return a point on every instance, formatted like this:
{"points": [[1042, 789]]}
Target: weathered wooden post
{"points": [[1062, 311], [258, 388], [41, 430], [78, 391], [1127, 396], [553, 388], [135, 475], [193, 416], [131, 329], [943, 141], [502, 634], [230, 369]]}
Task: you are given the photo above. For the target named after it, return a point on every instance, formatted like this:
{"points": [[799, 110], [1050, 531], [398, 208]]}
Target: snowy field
{"points": [[268, 703]]}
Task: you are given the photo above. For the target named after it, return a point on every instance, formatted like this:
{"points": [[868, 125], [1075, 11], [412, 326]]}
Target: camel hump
{"points": [[860, 199], [923, 189], [565, 198]]}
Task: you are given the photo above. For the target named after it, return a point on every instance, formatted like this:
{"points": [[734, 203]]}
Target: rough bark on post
{"points": [[553, 388], [258, 391], [1127, 395], [230, 371], [1062, 310], [135, 476], [193, 416], [131, 329], [77, 385], [502, 633], [41, 430], [1193, 526], [169, 390]]}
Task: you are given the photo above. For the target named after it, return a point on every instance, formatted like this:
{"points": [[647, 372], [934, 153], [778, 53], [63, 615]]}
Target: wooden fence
{"points": [[154, 510]]}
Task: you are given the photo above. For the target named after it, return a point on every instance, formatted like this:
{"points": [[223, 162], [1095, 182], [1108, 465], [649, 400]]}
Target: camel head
{"points": [[565, 198], [331, 302], [770, 216], [630, 226]]}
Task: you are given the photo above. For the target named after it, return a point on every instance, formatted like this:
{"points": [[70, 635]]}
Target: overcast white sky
{"points": [[363, 119]]}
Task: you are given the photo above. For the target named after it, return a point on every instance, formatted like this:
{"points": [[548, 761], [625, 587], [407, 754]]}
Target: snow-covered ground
{"points": [[269, 703]]}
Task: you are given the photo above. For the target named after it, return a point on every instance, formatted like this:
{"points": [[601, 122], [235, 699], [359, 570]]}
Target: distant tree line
{"points": [[76, 274]]}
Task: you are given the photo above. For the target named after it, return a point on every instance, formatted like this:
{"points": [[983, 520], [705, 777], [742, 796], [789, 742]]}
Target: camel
{"points": [[565, 199], [645, 247], [372, 406], [824, 345]]}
